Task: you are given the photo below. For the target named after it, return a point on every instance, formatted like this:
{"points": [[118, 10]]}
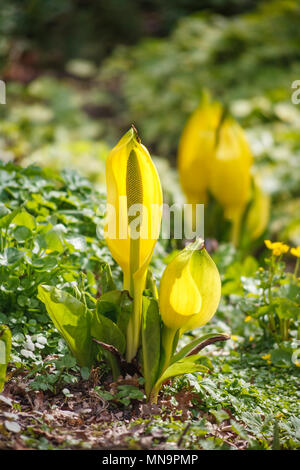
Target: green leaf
{"points": [[85, 372], [286, 308], [72, 319], [186, 365], [107, 396], [25, 219], [126, 305], [108, 305], [10, 256], [5, 348], [281, 358], [46, 263], [129, 392], [220, 415], [54, 241], [22, 233], [150, 342], [209, 338], [6, 220], [107, 282], [105, 330]]}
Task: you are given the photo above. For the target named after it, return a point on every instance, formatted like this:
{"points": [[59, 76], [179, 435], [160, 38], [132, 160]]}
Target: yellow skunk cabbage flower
{"points": [[259, 213], [196, 148], [134, 206], [230, 181], [190, 289]]}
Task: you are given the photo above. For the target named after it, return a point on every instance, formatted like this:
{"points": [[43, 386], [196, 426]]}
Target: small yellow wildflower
{"points": [[266, 357], [278, 248], [297, 364], [269, 244], [251, 338], [279, 415], [248, 318], [234, 338], [296, 251]]}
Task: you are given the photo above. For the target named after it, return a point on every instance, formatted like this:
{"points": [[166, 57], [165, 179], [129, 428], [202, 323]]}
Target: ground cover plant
{"points": [[102, 338]]}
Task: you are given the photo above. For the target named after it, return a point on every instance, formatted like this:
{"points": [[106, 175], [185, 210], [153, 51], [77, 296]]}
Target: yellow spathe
{"points": [[190, 289], [134, 207], [196, 149], [230, 181]]}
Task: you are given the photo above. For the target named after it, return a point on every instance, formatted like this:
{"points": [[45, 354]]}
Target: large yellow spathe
{"points": [[196, 148], [230, 181], [190, 289], [132, 231]]}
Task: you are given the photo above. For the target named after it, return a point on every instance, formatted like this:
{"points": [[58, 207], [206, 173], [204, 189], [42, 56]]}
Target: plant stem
{"points": [[236, 226], [296, 268], [167, 341], [134, 324], [271, 316]]}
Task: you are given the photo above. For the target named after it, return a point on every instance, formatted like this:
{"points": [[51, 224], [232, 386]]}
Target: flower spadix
{"points": [[134, 205], [190, 289], [195, 151]]}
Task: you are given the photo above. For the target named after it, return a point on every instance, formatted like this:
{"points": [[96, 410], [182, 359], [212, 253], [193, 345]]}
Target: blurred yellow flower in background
{"points": [[278, 248], [214, 157], [196, 149], [296, 252]]}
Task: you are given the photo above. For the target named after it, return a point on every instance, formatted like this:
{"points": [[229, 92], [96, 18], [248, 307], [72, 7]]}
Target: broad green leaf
{"points": [[46, 263], [25, 219], [150, 333], [3, 210], [290, 291], [109, 304], [10, 256], [72, 319], [281, 358], [126, 304], [105, 330], [6, 220], [197, 342], [117, 306], [220, 415], [107, 282], [54, 240], [22, 233], [186, 365], [5, 348], [286, 308]]}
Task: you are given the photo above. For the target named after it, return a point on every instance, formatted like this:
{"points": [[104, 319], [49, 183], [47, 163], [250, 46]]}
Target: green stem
{"points": [[296, 268], [167, 341], [150, 284], [236, 228], [134, 324], [271, 315], [154, 395], [168, 336], [113, 362]]}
